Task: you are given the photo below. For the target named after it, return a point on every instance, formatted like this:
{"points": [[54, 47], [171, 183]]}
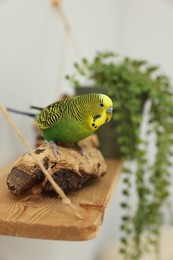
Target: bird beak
{"points": [[109, 114], [109, 110]]}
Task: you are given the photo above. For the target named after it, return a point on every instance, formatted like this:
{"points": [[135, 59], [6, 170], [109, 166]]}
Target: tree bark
{"points": [[71, 169]]}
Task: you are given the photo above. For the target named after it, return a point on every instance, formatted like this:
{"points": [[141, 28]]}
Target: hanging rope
{"points": [[63, 61], [68, 27], [70, 36]]}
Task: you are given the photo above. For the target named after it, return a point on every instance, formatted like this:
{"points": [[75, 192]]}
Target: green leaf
{"points": [[130, 84]]}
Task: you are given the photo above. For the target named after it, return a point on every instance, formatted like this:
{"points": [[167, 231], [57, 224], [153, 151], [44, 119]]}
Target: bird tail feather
{"points": [[37, 108], [20, 112]]}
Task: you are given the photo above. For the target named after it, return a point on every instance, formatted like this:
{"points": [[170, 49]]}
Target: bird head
{"points": [[100, 108], [106, 106]]}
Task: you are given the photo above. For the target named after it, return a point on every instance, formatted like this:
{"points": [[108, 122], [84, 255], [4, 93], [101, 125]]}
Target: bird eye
{"points": [[101, 105]]}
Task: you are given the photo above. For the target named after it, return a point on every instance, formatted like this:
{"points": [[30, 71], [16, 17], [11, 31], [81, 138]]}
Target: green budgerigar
{"points": [[74, 118]]}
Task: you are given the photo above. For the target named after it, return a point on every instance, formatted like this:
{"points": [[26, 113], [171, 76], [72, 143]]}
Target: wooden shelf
{"points": [[43, 217]]}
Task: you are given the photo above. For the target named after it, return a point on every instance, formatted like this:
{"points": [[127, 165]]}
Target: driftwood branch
{"points": [[70, 170]]}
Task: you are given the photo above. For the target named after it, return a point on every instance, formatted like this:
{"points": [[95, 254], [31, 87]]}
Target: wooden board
{"points": [[43, 217]]}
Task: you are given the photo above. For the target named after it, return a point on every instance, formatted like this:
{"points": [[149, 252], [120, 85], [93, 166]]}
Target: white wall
{"points": [[31, 36], [145, 31]]}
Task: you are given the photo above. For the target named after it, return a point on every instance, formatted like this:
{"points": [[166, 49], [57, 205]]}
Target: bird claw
{"points": [[83, 152], [54, 148]]}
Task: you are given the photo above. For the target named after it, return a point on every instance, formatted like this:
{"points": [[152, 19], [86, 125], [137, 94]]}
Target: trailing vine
{"points": [[132, 84]]}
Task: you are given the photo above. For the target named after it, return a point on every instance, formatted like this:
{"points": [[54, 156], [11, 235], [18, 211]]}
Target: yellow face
{"points": [[101, 112], [107, 107]]}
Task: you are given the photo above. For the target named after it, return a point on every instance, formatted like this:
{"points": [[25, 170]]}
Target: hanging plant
{"points": [[135, 86]]}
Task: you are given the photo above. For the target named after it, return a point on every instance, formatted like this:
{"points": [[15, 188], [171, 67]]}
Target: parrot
{"points": [[72, 119]]}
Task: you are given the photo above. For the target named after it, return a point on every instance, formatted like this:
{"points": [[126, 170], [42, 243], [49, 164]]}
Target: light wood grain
{"points": [[43, 217]]}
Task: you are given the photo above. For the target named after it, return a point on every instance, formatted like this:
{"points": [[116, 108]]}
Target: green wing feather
{"points": [[53, 113], [67, 109]]}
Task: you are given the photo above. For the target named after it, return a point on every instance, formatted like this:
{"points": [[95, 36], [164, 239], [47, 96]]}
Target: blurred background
{"points": [[31, 44]]}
